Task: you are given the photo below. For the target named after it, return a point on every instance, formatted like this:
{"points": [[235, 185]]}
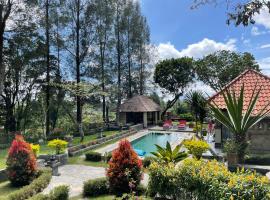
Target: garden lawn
{"points": [[78, 160], [44, 149], [106, 197], [88, 138], [6, 189]]}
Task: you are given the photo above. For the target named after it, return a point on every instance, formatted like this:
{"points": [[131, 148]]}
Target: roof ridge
{"points": [[236, 79]]}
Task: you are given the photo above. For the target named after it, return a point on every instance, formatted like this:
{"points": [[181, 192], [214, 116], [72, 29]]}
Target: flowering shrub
{"points": [[125, 169], [58, 145], [207, 180], [35, 148], [21, 162], [196, 147]]}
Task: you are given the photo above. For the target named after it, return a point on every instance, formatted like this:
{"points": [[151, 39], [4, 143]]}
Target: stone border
{"points": [[80, 149], [3, 175]]}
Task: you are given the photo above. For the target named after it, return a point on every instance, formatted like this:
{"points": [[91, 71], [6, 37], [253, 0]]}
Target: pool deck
{"points": [[111, 147]]}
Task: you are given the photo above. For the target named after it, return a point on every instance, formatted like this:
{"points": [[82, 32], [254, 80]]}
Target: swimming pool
{"points": [[147, 142]]}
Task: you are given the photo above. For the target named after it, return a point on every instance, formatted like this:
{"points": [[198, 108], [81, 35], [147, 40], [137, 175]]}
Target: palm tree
{"points": [[197, 104], [167, 155], [237, 121]]}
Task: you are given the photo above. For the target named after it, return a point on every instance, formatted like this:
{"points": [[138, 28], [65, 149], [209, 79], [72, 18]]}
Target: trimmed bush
{"points": [[35, 148], [37, 185], [95, 187], [21, 162], [147, 161], [58, 145], [196, 147], [206, 180], [57, 133], [125, 169], [58, 193], [93, 156]]}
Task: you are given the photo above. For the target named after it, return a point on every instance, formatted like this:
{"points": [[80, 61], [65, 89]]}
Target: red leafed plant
{"points": [[125, 169], [21, 162]]}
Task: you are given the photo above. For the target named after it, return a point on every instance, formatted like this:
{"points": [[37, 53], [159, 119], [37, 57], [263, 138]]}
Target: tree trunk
{"points": [[170, 104], [141, 75], [47, 70], [103, 81], [129, 67], [118, 70], [240, 140], [78, 72]]}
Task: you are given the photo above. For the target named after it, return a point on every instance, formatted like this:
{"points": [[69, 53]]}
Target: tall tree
{"points": [[103, 23], [219, 68], [5, 11], [79, 39], [173, 76]]}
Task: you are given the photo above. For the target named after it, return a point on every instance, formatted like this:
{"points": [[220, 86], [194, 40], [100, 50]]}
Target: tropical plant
{"points": [[196, 147], [236, 119], [197, 103], [21, 162], [125, 169], [169, 155], [58, 145]]}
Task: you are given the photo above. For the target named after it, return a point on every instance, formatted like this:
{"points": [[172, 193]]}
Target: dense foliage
{"points": [[125, 169], [206, 180], [35, 148], [219, 68], [21, 162]]}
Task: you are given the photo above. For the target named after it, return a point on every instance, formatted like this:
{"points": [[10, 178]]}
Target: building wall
{"points": [[259, 137]]}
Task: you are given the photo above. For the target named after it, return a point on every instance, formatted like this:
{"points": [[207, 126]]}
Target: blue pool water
{"points": [[147, 142]]}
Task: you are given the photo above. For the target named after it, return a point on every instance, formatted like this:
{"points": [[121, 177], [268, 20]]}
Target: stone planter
{"points": [[62, 158], [232, 159]]}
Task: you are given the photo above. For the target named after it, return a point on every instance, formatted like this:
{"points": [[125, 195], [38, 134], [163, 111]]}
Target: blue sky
{"points": [[179, 31]]}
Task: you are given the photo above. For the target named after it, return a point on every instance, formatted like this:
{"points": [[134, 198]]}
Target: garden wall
{"points": [[79, 149]]}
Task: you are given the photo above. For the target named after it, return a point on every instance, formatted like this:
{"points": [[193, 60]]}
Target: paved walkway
{"points": [[75, 175]]}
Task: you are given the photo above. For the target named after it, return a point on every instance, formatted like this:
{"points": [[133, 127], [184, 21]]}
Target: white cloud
{"points": [[265, 46], [196, 50], [263, 18], [255, 31], [265, 65]]}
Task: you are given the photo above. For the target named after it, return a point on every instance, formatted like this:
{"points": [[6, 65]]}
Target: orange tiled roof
{"points": [[251, 80]]}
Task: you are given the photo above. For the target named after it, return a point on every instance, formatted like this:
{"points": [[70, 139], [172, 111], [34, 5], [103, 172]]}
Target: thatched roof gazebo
{"points": [[139, 109]]}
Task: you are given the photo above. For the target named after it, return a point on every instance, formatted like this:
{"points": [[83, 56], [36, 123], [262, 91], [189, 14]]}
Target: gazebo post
{"points": [[145, 119], [156, 118]]}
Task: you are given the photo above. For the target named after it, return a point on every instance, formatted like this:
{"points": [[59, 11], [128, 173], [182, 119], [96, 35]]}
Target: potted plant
{"points": [[231, 149], [59, 146]]}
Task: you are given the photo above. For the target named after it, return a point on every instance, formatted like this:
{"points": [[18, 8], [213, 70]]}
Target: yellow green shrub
{"points": [[196, 147], [207, 180], [58, 145], [35, 148]]}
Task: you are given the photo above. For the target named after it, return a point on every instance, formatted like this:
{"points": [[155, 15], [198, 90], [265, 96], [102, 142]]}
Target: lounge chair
{"points": [[182, 125], [167, 125]]}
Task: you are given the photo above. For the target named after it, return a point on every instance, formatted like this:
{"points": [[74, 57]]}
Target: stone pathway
{"points": [[75, 175]]}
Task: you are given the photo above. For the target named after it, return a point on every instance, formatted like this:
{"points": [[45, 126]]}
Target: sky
{"points": [[177, 30]]}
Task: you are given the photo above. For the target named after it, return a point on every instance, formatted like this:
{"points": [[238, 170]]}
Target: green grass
{"points": [[77, 160], [106, 197], [5, 189], [89, 138]]}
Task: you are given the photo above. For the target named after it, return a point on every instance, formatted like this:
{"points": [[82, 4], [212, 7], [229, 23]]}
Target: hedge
{"points": [[36, 186], [96, 187], [58, 193], [93, 156], [206, 180]]}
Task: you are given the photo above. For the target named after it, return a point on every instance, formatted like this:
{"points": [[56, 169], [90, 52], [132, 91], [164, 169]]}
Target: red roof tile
{"points": [[251, 80]]}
